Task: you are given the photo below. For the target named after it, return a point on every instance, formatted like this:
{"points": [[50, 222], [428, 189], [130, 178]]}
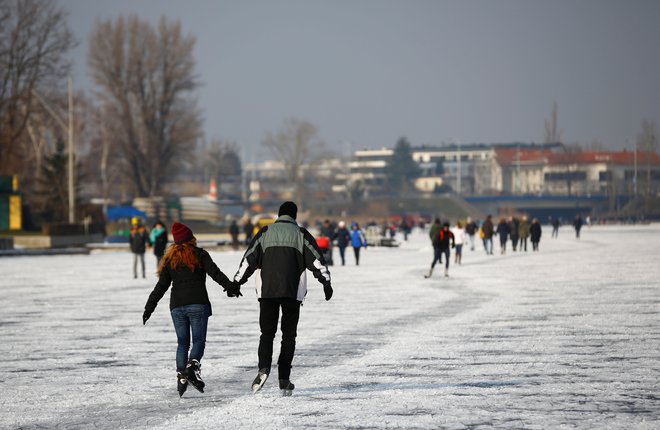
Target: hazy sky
{"points": [[370, 71]]}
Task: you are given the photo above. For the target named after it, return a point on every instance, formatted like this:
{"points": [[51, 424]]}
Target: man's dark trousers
{"points": [[268, 318]]}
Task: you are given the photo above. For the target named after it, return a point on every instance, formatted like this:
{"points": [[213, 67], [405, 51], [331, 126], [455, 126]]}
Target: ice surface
{"points": [[568, 336]]}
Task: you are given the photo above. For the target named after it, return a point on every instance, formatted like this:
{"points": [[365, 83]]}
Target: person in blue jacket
{"points": [[357, 241]]}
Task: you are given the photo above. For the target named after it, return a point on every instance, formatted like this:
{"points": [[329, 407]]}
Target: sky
{"points": [[368, 72], [566, 337]]}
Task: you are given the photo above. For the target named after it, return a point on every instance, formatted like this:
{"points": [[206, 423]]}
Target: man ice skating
{"points": [[280, 253], [441, 247]]}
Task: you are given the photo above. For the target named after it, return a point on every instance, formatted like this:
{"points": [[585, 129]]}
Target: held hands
{"points": [[327, 289], [233, 289]]}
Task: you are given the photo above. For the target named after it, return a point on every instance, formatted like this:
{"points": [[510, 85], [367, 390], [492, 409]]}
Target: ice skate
{"points": [[428, 275], [260, 380], [446, 273], [181, 383], [287, 387], [193, 372]]}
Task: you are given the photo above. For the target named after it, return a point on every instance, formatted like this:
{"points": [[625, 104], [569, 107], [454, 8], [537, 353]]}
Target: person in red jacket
{"points": [[446, 240]]}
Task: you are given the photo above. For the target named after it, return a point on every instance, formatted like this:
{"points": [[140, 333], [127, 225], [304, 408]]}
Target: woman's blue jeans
{"points": [[187, 319]]}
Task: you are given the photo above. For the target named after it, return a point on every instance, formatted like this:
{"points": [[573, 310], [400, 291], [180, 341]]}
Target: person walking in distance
{"points": [[523, 233], [343, 239], [535, 234], [459, 238], [577, 225], [471, 230], [555, 227], [280, 254], [158, 239], [357, 241], [503, 232], [488, 230], [185, 267], [138, 241]]}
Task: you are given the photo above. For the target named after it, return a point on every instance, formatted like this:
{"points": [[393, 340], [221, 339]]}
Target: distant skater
{"points": [[523, 233], [158, 239], [460, 238], [185, 267], [555, 227], [445, 241], [343, 239], [488, 229], [434, 235], [471, 230], [138, 241], [577, 224], [513, 232], [503, 233], [357, 241], [535, 234]]}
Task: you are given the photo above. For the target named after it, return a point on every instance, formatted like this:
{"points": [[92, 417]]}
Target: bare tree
{"points": [[295, 145], [221, 160], [147, 79], [34, 40]]}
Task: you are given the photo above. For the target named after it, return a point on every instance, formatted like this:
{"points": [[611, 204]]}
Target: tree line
{"points": [[141, 127]]}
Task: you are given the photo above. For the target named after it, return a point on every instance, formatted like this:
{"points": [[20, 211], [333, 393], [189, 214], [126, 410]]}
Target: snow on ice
{"points": [[568, 336]]}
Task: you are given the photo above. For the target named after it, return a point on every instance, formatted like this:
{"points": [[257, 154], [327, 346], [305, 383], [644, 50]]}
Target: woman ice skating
{"points": [[185, 266]]}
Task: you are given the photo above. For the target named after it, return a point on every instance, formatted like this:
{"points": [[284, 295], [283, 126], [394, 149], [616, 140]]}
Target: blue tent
{"points": [[120, 212]]}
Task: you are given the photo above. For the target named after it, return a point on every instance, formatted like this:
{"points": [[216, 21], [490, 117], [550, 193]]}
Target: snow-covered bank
{"points": [[567, 336]]}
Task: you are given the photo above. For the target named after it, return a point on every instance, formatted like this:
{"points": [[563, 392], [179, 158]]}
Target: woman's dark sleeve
{"points": [[213, 270], [161, 287]]}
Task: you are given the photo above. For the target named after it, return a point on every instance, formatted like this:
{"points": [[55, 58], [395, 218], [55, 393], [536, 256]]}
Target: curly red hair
{"points": [[181, 255]]}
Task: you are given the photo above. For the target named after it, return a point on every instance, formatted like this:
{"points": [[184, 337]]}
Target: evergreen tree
{"points": [[52, 191], [401, 169]]}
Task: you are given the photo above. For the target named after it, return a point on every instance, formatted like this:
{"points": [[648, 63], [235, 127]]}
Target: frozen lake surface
{"points": [[568, 336]]}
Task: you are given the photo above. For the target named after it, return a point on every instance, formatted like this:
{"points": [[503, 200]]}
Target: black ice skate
{"points": [[287, 387], [181, 383], [193, 372], [260, 380]]}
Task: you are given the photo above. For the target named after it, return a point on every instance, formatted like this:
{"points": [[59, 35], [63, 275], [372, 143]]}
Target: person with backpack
{"points": [[185, 266], [441, 242]]}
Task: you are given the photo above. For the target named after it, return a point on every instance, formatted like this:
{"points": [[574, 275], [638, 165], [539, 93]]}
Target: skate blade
{"points": [[257, 387], [287, 393]]}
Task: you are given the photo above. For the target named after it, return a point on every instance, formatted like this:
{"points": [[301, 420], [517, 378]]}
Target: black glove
{"points": [[327, 289], [145, 316], [233, 290]]}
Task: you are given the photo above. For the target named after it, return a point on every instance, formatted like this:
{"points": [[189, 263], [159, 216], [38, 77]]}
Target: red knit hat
{"points": [[181, 233]]}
